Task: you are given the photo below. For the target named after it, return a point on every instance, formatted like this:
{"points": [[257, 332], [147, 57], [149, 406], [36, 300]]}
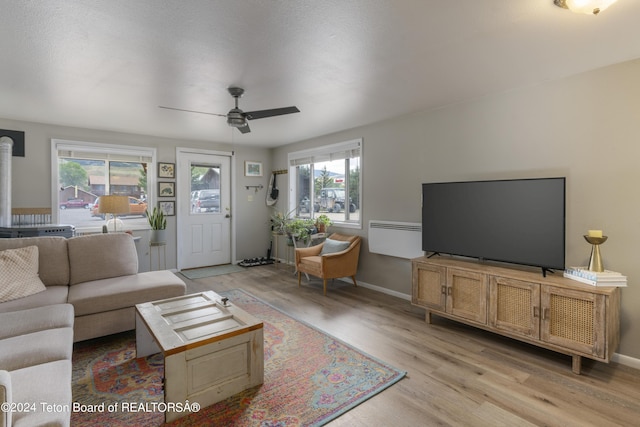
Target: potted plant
{"points": [[158, 224], [295, 230], [279, 222], [322, 223], [300, 229]]}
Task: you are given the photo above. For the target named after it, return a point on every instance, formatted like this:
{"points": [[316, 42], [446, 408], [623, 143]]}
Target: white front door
{"points": [[204, 208]]}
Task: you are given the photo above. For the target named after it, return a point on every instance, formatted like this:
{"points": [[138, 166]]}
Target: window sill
{"points": [[96, 230]]}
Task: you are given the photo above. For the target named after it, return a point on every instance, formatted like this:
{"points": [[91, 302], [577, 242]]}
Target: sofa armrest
{"points": [[5, 397]]}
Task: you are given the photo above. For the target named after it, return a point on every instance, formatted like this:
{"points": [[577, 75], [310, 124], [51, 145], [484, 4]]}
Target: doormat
{"points": [[199, 273], [310, 378]]}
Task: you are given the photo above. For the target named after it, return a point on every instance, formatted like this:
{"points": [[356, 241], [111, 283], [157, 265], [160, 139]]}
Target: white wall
{"points": [[585, 127], [31, 178]]}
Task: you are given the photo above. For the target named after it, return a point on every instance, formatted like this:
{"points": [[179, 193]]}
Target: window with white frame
{"points": [[82, 172], [327, 181]]}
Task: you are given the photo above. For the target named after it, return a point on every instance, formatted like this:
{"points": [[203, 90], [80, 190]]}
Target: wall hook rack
{"points": [[255, 187]]}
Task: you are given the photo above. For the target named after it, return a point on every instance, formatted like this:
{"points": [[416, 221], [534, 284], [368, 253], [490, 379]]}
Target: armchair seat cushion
{"points": [[311, 265]]}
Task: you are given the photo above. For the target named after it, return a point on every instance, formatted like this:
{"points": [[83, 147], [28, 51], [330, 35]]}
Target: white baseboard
{"points": [[380, 289], [629, 361]]}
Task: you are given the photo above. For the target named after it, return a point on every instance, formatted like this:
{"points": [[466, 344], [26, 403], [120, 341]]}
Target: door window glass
{"points": [[205, 189]]}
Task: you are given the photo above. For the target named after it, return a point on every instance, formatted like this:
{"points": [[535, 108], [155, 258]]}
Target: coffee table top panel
{"points": [[190, 321]]}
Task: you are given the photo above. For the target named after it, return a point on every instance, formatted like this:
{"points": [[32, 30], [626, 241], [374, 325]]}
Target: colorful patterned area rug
{"points": [[310, 378]]}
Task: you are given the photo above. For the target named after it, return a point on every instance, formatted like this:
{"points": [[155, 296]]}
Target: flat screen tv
{"points": [[520, 221]]}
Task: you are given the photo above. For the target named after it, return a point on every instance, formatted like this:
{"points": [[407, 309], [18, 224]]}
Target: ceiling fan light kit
{"points": [[236, 117], [589, 7]]}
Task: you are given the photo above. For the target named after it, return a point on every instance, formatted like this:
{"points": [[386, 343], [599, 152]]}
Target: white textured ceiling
{"points": [[109, 64]]}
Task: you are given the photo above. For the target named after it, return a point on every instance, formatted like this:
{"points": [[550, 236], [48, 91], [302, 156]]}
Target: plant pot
{"points": [[158, 236]]}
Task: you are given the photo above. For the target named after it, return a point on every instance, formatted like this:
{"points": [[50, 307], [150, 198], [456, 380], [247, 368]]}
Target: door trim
{"points": [[180, 151]]}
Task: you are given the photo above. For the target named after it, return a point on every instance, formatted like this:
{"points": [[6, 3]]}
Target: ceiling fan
{"points": [[236, 117]]}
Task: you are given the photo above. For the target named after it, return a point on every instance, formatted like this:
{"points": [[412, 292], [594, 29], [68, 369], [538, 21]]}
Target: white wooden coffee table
{"points": [[211, 350]]}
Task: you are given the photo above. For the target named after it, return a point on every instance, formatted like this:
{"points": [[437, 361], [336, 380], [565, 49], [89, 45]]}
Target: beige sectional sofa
{"points": [[91, 287], [35, 366]]}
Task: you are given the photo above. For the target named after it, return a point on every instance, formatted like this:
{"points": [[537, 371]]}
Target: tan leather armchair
{"points": [[332, 265]]}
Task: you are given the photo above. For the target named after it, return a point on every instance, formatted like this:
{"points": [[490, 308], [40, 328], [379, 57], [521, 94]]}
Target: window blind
{"points": [[93, 151], [340, 151]]}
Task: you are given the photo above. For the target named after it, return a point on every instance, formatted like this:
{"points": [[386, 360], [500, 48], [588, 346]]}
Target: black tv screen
{"points": [[520, 221]]}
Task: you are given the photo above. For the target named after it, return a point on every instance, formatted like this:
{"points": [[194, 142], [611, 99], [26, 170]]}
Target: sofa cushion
{"points": [[48, 382], [124, 291], [52, 295], [101, 256], [35, 348], [19, 273], [36, 319], [5, 397], [53, 259], [331, 246]]}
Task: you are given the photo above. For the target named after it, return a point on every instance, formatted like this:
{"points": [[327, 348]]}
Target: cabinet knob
{"points": [[443, 290]]}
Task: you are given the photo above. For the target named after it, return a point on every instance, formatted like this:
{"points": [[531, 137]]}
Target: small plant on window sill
{"points": [[323, 222]]}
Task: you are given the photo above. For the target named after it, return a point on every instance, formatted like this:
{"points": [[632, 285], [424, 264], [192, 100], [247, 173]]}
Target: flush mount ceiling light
{"points": [[590, 7]]}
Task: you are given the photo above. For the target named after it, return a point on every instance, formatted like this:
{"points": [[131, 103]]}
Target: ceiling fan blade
{"points": [[191, 111], [245, 129], [261, 114]]}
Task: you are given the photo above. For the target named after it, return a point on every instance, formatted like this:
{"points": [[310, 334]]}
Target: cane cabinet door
{"points": [[467, 294], [514, 306], [429, 287], [574, 320]]}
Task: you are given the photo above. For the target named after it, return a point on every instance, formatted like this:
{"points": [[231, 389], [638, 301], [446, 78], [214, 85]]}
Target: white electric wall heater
{"points": [[398, 239]]}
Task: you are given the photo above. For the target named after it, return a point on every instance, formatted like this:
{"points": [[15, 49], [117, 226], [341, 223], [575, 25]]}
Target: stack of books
{"points": [[595, 278]]}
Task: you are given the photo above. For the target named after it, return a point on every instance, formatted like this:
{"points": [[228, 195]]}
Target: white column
{"points": [[6, 151]]}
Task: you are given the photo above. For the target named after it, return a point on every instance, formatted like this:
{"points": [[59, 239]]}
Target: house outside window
{"points": [[327, 181], [84, 171]]}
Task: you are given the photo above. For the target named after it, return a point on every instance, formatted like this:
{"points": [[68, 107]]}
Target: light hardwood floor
{"points": [[456, 375]]}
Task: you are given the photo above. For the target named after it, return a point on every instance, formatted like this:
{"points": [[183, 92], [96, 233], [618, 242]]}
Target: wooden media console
{"points": [[551, 312]]}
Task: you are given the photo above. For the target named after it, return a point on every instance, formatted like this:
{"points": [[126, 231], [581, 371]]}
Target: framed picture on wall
{"points": [[166, 189], [167, 207], [252, 168], [166, 170]]}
